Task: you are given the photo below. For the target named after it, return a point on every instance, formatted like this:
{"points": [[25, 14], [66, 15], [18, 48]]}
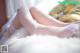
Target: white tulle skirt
{"points": [[20, 42]]}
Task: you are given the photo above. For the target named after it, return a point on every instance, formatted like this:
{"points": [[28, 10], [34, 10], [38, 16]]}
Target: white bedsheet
{"points": [[37, 43]]}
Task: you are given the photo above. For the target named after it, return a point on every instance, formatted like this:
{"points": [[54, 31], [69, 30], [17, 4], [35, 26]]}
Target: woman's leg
{"points": [[35, 27], [16, 24], [21, 20], [45, 19], [25, 19]]}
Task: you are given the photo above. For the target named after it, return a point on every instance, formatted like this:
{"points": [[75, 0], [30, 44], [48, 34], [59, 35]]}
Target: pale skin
{"points": [[21, 20], [45, 19], [44, 24], [32, 27]]}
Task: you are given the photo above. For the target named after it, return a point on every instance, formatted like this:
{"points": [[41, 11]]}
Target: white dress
{"points": [[20, 42]]}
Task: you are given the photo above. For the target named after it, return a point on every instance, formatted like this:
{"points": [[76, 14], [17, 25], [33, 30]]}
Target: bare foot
{"points": [[69, 30]]}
